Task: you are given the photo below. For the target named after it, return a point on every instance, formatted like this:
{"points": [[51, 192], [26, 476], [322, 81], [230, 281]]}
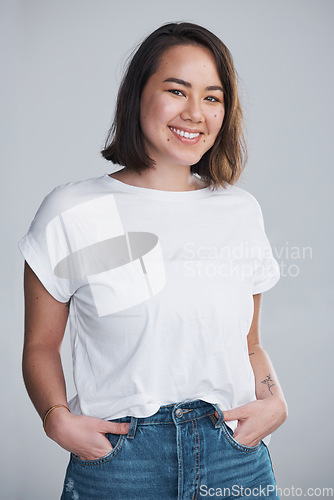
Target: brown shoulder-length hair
{"points": [[223, 163]]}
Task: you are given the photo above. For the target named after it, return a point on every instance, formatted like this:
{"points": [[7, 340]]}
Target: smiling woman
{"points": [[159, 270]]}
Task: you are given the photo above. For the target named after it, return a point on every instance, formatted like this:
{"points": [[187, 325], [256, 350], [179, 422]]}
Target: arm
{"points": [[266, 381], [45, 321], [263, 416]]}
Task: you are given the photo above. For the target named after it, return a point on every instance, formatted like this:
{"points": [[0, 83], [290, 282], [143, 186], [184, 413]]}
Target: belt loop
{"points": [[132, 429], [220, 420]]}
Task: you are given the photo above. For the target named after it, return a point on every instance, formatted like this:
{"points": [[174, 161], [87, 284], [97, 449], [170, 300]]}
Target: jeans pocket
{"points": [[116, 440], [228, 433]]}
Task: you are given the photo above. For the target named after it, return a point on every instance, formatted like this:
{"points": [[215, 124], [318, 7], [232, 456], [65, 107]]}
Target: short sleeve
{"points": [[266, 269], [39, 246]]}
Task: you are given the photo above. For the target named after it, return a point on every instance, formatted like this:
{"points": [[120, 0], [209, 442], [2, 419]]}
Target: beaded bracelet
{"points": [[50, 410]]}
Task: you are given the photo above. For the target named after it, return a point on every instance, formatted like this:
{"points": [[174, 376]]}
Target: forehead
{"points": [[194, 60]]}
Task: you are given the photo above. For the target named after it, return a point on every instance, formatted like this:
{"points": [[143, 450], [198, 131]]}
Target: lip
{"points": [[190, 130], [187, 140]]}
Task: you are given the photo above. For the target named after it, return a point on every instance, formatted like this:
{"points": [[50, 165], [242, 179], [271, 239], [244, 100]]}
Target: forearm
{"points": [[266, 382], [43, 376]]}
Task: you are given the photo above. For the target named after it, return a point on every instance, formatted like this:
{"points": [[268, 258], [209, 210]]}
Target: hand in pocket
{"points": [[83, 436]]}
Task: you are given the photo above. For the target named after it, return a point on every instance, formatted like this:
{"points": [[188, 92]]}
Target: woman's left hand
{"points": [[256, 419]]}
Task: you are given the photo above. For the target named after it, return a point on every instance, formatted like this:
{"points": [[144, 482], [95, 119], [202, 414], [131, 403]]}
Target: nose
{"points": [[193, 110]]}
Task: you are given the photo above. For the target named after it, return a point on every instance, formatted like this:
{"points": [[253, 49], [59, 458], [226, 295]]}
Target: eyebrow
{"points": [[188, 85]]}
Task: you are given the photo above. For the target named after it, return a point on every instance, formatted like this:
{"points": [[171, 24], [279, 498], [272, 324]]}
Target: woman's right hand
{"points": [[81, 435]]}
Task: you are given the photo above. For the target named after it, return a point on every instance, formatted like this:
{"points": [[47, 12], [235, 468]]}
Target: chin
{"points": [[189, 160]]}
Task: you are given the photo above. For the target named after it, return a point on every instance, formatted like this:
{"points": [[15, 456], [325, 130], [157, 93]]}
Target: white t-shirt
{"points": [[161, 286]]}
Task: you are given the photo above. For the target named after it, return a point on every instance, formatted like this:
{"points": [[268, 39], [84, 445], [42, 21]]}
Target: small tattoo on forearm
{"points": [[250, 353], [267, 381]]}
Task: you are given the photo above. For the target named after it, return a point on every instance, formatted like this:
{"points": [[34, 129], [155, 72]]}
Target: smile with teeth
{"points": [[182, 133]]}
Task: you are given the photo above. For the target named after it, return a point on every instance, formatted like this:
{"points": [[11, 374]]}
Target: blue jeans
{"points": [[182, 452]]}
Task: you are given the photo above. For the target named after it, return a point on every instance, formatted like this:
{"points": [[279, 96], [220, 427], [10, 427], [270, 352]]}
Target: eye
{"points": [[211, 98], [176, 92]]}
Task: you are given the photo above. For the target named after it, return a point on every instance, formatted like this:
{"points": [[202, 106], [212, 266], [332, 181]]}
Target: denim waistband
{"points": [[174, 413]]}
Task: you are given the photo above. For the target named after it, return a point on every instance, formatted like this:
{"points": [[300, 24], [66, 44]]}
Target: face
{"points": [[182, 106]]}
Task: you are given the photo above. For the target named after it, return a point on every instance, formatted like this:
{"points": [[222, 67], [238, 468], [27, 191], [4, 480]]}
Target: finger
{"points": [[234, 414], [118, 428], [245, 439], [229, 415]]}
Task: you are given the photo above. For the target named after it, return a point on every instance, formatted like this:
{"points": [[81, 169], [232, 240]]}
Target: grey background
{"points": [[62, 63]]}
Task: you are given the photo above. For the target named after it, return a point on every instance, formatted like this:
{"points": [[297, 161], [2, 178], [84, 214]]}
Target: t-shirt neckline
{"points": [[158, 193]]}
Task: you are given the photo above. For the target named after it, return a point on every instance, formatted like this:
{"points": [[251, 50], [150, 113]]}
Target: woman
{"points": [[160, 269]]}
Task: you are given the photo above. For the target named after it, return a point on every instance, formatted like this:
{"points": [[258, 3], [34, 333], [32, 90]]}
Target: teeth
{"points": [[182, 133]]}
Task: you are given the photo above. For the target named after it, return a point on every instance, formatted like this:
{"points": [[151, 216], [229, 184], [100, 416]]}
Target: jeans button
{"points": [[179, 413]]}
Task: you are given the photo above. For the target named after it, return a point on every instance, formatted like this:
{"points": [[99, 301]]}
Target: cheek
{"points": [[216, 121], [158, 110]]}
